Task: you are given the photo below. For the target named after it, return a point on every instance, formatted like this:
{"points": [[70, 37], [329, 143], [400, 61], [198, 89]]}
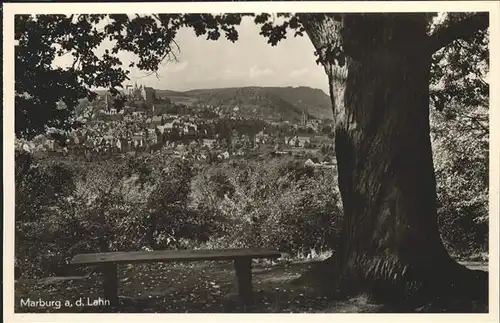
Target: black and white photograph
{"points": [[265, 161]]}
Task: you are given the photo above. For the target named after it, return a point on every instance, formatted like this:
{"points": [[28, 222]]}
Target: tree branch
{"points": [[458, 29]]}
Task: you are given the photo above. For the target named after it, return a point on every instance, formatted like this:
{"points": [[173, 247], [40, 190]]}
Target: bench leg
{"points": [[110, 272], [244, 279]]}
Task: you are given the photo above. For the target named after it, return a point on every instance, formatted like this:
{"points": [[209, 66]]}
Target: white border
{"points": [[9, 9]]}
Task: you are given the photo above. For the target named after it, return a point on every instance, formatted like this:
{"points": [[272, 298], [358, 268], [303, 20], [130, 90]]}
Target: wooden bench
{"points": [[242, 263]]}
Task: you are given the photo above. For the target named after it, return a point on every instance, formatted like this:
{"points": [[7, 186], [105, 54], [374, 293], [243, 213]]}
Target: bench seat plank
{"points": [[172, 255]]}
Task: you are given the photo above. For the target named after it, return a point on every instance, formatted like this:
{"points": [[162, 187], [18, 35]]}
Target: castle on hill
{"points": [[140, 93]]}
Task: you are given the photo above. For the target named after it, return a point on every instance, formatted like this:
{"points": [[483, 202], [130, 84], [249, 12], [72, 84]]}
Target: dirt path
{"points": [[196, 288]]}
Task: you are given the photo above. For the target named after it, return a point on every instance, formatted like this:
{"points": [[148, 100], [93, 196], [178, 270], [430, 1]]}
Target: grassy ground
{"points": [[195, 288]]}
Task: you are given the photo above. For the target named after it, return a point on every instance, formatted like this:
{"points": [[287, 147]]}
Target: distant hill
{"points": [[315, 101], [287, 102], [177, 97], [250, 101]]}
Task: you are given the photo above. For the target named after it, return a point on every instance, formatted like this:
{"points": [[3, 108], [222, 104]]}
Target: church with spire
{"points": [[304, 118], [141, 93]]}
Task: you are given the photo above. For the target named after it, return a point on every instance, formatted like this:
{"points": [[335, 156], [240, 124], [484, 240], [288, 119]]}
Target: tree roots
{"points": [[450, 287]]}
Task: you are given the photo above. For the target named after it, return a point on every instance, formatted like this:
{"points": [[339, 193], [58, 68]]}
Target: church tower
{"points": [[304, 117]]}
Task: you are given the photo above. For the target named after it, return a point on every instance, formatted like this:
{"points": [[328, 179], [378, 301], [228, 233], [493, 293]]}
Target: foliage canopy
{"points": [[46, 95]]}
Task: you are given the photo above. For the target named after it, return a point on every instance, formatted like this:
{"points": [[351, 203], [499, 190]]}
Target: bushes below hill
{"points": [[129, 205], [64, 208], [275, 203]]}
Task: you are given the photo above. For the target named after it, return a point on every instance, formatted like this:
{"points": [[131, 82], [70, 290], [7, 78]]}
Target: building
{"points": [[148, 94], [208, 143], [77, 138], [157, 120], [168, 126], [151, 130], [129, 90], [138, 140], [122, 145], [137, 114], [128, 117], [299, 141], [140, 93], [162, 105], [304, 118], [318, 141], [108, 100], [155, 138], [161, 129], [134, 92], [108, 140], [189, 130], [51, 145]]}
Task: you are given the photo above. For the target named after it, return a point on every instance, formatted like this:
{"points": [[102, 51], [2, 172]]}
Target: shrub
{"points": [[461, 165], [171, 216], [89, 209], [43, 188], [304, 216], [275, 203]]}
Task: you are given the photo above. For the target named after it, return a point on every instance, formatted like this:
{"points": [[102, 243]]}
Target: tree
{"points": [[379, 87], [460, 132], [379, 70]]}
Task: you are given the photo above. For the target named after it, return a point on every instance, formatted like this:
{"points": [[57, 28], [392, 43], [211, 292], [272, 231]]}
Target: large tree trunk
{"points": [[390, 246]]}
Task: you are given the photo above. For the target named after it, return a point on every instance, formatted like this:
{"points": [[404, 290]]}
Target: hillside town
{"points": [[268, 160], [149, 123]]}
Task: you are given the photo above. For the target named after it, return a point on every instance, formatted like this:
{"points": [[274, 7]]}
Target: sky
{"points": [[250, 61]]}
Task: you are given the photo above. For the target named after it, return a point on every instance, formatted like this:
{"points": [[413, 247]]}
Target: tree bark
{"points": [[390, 244]]}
